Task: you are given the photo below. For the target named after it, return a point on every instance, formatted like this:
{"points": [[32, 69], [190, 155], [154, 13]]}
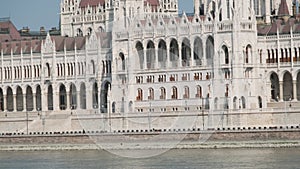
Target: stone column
{"points": [[68, 101], [24, 103], [156, 59], [34, 102], [295, 90], [268, 11], [14, 102], [4, 102], [168, 58], [197, 6], [55, 100], [192, 56], [281, 90], [145, 59], [78, 100], [180, 56]]}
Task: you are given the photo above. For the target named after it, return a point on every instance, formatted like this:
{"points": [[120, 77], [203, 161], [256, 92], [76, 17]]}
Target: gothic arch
{"points": [[104, 94], [38, 96], [185, 52], [29, 99], [198, 51], [275, 90], [1, 100], [162, 53], [73, 96], [82, 96], [10, 99], [140, 51], [225, 54], [50, 97], [95, 96], [150, 55], [62, 97], [287, 86], [210, 50], [174, 52], [19, 97]]}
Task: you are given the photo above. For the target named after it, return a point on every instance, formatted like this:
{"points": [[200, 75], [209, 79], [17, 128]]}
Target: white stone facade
{"points": [[138, 63]]}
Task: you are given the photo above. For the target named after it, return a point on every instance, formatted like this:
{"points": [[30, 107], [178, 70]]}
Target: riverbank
{"points": [[183, 145], [153, 140]]}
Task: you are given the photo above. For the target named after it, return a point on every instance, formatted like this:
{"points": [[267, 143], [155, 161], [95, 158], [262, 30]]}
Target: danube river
{"points": [[177, 159]]}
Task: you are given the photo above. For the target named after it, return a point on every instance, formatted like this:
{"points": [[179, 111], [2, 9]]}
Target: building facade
{"points": [[232, 62]]}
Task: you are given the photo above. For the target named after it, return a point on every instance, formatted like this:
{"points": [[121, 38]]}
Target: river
{"points": [[288, 158]]}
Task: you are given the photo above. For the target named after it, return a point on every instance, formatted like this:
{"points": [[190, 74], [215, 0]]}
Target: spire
{"points": [[283, 9]]}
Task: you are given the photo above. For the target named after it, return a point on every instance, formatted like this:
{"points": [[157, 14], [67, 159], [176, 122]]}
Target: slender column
{"points": [[55, 100], [78, 100], [24, 103], [145, 59], [15, 102], [268, 11], [281, 91], [295, 90], [204, 54], [34, 102], [180, 55], [168, 58], [192, 56], [68, 101], [156, 59], [4, 102]]}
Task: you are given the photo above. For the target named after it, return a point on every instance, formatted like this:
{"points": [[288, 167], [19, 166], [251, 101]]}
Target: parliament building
{"points": [[146, 64]]}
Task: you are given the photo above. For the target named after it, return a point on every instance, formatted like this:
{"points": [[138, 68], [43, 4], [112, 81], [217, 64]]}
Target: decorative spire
{"points": [[283, 9]]}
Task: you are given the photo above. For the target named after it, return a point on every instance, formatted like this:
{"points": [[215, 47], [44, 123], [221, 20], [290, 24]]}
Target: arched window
{"points": [[186, 92], [225, 54], [174, 93], [243, 100], [95, 96], [140, 51], [150, 55], [50, 98], [210, 48], [162, 93], [10, 100], [260, 102], [198, 51], [139, 95], [174, 51], [287, 87], [162, 54], [82, 96], [249, 54], [73, 97], [38, 98], [29, 99], [151, 94], [62, 97], [199, 92], [20, 104], [235, 102], [79, 32], [275, 90], [185, 52], [122, 59]]}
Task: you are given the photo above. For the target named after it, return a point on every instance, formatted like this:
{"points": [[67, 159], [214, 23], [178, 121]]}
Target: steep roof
{"points": [[283, 9], [86, 3], [8, 31]]}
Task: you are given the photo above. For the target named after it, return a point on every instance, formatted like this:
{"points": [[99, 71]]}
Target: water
{"points": [[176, 159]]}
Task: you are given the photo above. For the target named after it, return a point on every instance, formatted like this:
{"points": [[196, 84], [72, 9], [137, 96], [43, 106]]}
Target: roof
{"points": [[86, 3], [283, 9], [8, 31], [280, 25]]}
